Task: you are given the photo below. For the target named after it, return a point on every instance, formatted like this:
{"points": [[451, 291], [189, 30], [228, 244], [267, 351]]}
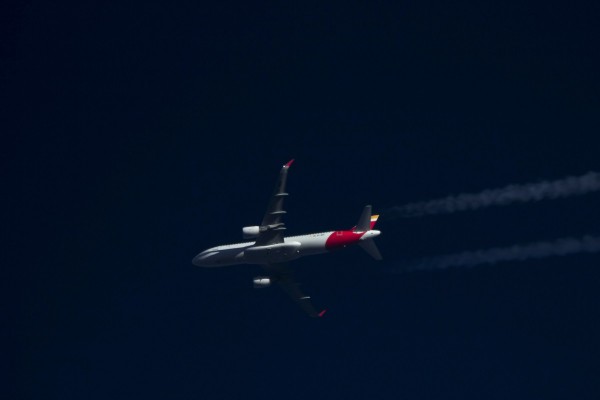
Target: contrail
{"points": [[559, 247], [570, 186]]}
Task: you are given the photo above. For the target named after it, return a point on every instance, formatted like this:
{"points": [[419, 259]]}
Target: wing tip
{"points": [[289, 163]]}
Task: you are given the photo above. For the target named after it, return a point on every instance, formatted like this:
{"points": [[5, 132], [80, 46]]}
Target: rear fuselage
{"points": [[293, 247]]}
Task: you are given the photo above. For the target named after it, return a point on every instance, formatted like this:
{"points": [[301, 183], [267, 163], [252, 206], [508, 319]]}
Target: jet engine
{"points": [[250, 232], [261, 282]]}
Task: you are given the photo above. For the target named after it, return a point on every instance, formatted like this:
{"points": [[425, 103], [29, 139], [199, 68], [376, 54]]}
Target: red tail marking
{"points": [[322, 313], [289, 163]]}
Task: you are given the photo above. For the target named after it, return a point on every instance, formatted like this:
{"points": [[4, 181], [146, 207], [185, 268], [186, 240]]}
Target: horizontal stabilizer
{"points": [[370, 247]]}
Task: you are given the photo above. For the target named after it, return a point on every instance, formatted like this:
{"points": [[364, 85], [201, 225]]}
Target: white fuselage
{"points": [[292, 248]]}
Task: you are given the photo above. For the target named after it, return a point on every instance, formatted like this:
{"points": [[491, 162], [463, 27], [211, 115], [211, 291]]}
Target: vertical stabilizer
{"points": [[364, 222]]}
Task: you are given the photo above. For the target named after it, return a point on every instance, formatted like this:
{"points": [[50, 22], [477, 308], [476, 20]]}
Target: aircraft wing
{"points": [[282, 274], [271, 227]]}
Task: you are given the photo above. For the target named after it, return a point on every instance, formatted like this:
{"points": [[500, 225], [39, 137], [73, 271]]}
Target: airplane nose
{"points": [[197, 260], [203, 259]]}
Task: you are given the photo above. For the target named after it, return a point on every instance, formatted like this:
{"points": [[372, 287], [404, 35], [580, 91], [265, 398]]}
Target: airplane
{"points": [[272, 250]]}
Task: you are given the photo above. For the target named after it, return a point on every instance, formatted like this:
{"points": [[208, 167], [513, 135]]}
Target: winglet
{"points": [[322, 313], [289, 163]]}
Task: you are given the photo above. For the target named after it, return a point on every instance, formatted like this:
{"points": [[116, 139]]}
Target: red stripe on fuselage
{"points": [[340, 239]]}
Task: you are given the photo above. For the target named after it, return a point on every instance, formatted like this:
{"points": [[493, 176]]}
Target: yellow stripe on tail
{"points": [[373, 220]]}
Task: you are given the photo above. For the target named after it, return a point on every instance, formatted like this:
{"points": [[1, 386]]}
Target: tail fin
{"points": [[366, 222], [373, 220]]}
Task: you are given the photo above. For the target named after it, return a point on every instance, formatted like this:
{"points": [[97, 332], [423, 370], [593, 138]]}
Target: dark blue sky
{"points": [[137, 135]]}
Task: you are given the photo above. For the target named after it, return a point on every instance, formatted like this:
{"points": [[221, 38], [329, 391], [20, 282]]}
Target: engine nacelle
{"points": [[250, 232], [261, 282]]}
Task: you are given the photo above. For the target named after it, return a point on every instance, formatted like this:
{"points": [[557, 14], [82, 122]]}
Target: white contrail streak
{"points": [[559, 247], [570, 186]]}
